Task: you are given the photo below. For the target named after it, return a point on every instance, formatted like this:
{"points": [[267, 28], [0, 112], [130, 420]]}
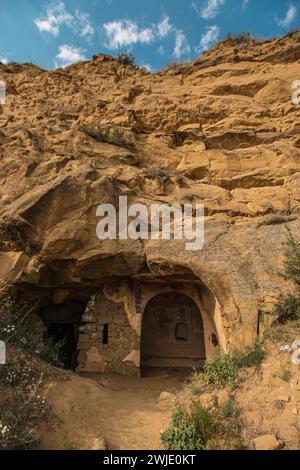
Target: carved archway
{"points": [[172, 333]]}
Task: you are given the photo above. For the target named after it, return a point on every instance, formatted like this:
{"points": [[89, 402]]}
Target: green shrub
{"points": [[21, 337], [21, 327], [24, 332], [20, 415], [195, 378], [253, 355], [190, 429], [221, 371], [229, 410], [52, 353], [292, 260], [23, 403], [22, 387], [288, 306], [224, 369], [197, 391], [286, 375]]}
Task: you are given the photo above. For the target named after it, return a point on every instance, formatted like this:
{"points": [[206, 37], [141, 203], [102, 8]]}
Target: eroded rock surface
{"points": [[221, 131]]}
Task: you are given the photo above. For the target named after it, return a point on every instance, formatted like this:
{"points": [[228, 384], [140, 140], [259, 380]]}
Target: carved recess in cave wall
{"points": [[120, 291]]}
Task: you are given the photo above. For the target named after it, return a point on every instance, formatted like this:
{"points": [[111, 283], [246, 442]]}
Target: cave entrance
{"points": [[64, 336], [62, 323], [172, 333]]}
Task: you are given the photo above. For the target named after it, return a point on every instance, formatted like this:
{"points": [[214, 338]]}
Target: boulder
{"points": [[165, 396], [98, 444], [268, 442]]}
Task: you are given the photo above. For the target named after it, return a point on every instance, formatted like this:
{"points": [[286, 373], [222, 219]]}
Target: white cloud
{"points": [[182, 47], [210, 10], [56, 17], [85, 27], [126, 32], [3, 60], [147, 67], [289, 17], [146, 36], [120, 33], [161, 50], [196, 8], [68, 55], [164, 27], [210, 36]]}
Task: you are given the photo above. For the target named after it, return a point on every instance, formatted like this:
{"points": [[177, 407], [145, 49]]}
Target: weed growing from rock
{"points": [[288, 306], [229, 410], [286, 375]]}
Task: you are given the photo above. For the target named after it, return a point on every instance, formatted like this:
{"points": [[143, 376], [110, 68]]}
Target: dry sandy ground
{"points": [[127, 411], [124, 410]]}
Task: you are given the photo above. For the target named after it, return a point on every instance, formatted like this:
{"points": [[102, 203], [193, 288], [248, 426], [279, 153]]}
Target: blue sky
{"points": [[57, 33]]}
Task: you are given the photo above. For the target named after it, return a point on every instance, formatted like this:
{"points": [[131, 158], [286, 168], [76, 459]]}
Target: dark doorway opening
{"points": [[172, 334], [62, 323], [64, 336]]}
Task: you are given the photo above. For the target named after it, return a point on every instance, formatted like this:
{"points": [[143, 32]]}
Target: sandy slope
{"points": [[124, 410]]}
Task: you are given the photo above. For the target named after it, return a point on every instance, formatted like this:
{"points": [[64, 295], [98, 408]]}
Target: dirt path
{"points": [[124, 410]]}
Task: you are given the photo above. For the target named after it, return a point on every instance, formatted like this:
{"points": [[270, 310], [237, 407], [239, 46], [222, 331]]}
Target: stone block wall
{"points": [[106, 338], [110, 336]]}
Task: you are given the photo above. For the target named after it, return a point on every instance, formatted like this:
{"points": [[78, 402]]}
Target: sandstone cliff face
{"points": [[221, 131]]}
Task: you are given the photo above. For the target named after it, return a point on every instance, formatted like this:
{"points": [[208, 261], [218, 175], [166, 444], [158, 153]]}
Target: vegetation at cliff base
{"points": [[288, 306]]}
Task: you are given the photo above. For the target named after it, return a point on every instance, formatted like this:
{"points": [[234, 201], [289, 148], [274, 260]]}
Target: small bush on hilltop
{"points": [[124, 57], [240, 38]]}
